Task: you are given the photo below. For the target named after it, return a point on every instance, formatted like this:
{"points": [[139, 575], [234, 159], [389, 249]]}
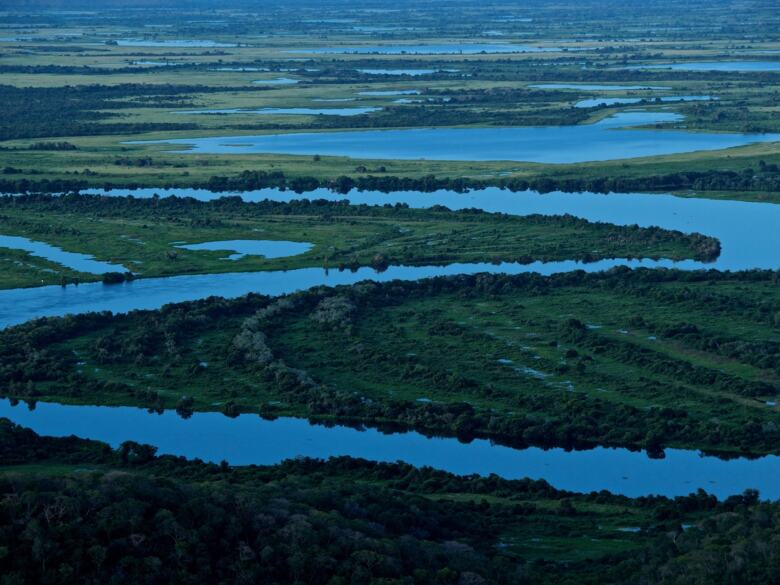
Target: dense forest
{"points": [[126, 515]]}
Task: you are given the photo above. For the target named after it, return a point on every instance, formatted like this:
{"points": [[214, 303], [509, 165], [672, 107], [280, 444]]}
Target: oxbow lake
{"points": [[72, 260], [249, 439]]}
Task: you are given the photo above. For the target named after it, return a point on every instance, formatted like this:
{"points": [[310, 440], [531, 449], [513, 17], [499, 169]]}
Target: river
{"points": [[749, 240]]}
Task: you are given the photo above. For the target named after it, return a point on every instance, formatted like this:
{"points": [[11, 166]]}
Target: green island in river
{"points": [[146, 236]]}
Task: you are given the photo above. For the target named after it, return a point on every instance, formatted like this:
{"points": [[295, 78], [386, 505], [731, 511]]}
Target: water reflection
{"points": [[249, 439]]}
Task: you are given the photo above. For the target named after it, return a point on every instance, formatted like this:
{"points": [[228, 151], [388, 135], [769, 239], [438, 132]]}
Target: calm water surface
{"points": [[747, 231], [249, 439], [241, 248], [20, 305], [609, 139], [73, 260], [178, 43], [410, 72], [595, 102], [276, 81], [390, 92]]}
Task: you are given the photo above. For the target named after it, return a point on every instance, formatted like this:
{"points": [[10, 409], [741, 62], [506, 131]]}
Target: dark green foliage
{"points": [[75, 511]]}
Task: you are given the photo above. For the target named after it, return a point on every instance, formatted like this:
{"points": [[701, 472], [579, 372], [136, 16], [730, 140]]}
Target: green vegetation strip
{"points": [[627, 358], [144, 235]]}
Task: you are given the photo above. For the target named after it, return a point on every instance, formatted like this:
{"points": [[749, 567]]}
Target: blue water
{"points": [[390, 92], [249, 439], [157, 63], [550, 144], [744, 66], [288, 111], [177, 43], [242, 248], [276, 81], [596, 87], [595, 102], [73, 260], [432, 49]]}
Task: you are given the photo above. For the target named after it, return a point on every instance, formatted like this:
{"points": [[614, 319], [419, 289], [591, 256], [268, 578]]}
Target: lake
{"points": [[549, 144], [276, 81], [595, 102], [157, 63], [242, 248], [390, 92], [240, 69], [172, 43], [72, 260]]}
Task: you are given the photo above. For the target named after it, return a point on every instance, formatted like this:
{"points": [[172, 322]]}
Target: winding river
{"points": [[749, 238]]}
